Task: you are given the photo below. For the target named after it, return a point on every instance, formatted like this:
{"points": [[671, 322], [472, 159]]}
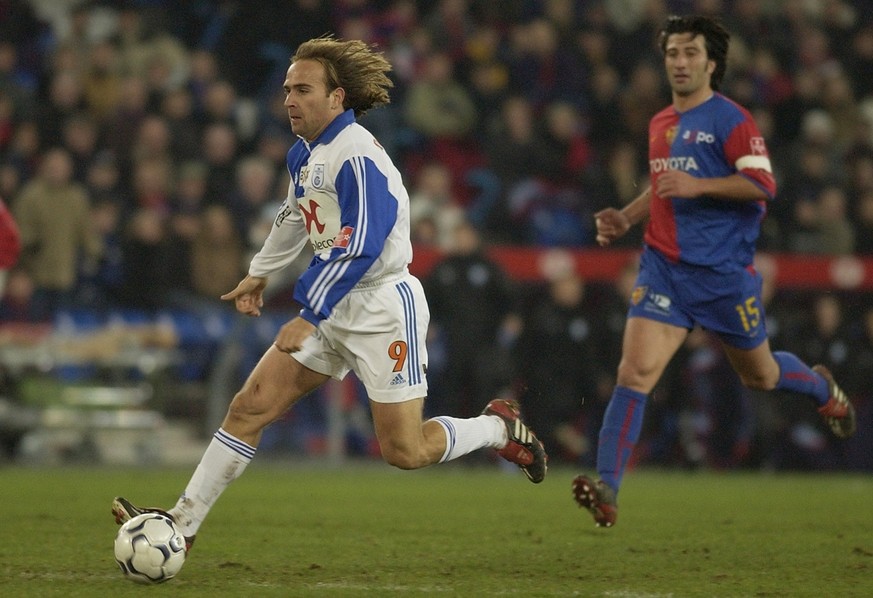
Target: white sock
{"points": [[224, 461], [467, 435]]}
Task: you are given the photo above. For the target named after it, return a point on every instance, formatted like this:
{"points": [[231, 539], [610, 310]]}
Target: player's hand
{"points": [[675, 183], [611, 224], [292, 334], [248, 296]]}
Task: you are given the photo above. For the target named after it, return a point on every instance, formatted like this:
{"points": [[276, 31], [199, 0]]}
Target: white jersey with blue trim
{"points": [[348, 200]]}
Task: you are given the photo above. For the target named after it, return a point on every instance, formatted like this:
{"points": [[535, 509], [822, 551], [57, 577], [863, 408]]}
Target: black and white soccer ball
{"points": [[150, 548]]}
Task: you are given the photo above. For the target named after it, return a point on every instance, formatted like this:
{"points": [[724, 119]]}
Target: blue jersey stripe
{"points": [[335, 271]]}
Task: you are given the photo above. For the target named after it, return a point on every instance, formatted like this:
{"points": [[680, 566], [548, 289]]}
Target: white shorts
{"points": [[378, 331]]}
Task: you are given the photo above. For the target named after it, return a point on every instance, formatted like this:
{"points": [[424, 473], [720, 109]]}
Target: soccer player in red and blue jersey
{"points": [[710, 179]]}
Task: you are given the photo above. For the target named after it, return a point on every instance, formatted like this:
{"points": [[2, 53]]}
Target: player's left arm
{"points": [[368, 212], [746, 155]]}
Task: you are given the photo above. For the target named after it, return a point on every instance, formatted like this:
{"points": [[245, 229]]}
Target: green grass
{"points": [[307, 530]]}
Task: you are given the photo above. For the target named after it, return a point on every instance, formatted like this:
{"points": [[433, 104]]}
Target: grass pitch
{"points": [[307, 530]]}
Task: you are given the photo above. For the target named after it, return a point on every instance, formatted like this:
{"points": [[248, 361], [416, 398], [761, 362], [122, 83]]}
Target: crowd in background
{"points": [[142, 152]]}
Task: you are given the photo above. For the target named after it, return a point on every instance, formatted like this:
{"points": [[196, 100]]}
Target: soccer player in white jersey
{"points": [[362, 310]]}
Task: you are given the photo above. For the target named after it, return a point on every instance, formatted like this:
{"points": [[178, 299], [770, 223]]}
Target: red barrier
{"points": [[848, 273]]}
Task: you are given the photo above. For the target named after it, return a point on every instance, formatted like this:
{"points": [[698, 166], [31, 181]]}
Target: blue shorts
{"points": [[727, 303]]}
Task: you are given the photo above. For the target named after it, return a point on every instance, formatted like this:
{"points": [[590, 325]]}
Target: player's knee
{"points": [[633, 375], [244, 409], [402, 457]]}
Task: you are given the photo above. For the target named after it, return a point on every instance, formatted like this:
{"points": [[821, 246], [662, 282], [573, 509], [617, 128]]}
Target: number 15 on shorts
{"points": [[750, 314]]}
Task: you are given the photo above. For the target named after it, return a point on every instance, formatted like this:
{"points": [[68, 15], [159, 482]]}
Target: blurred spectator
{"points": [[486, 73], [152, 141], [437, 105], [255, 188], [557, 385], [99, 280], [864, 224], [177, 108], [449, 24], [184, 222], [431, 200], [859, 61], [152, 179], [144, 251], [80, 138], [64, 101], [822, 225], [220, 145], [541, 67], [128, 113], [102, 80], [566, 148], [15, 305], [24, 151], [641, 98], [822, 338], [473, 320], [103, 180], [53, 216], [16, 79], [512, 144], [10, 180], [217, 255], [142, 49], [607, 126]]}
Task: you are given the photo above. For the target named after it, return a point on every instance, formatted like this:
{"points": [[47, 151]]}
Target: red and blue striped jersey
{"points": [[718, 138]]}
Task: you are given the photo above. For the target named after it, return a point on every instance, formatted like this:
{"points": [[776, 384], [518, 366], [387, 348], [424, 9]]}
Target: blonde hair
{"points": [[353, 65]]}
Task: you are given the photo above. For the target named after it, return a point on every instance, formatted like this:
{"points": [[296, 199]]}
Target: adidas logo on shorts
{"points": [[398, 379]]}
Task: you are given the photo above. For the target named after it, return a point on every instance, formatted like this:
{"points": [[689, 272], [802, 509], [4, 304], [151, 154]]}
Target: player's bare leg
{"points": [[409, 443], [277, 382]]}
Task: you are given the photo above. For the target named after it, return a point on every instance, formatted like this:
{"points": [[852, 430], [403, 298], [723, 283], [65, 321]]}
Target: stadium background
{"points": [[520, 117]]}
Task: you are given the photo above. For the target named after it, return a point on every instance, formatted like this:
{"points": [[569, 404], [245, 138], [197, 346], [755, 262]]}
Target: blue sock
{"points": [[621, 428], [796, 376]]}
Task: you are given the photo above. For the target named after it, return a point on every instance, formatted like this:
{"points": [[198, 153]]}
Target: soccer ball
{"points": [[150, 548]]}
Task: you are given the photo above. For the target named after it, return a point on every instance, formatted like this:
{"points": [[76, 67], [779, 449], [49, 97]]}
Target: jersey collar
{"points": [[332, 130]]}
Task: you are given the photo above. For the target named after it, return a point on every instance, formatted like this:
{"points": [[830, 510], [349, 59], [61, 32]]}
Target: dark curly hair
{"points": [[716, 36], [353, 65]]}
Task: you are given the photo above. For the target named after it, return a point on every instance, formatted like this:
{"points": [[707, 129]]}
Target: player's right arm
{"points": [[284, 243], [612, 224]]}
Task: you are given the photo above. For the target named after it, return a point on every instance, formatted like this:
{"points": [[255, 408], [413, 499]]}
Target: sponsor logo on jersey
{"points": [[284, 212], [322, 245], [398, 379], [661, 301], [758, 147], [695, 136], [657, 303], [685, 163], [310, 217], [343, 237]]}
